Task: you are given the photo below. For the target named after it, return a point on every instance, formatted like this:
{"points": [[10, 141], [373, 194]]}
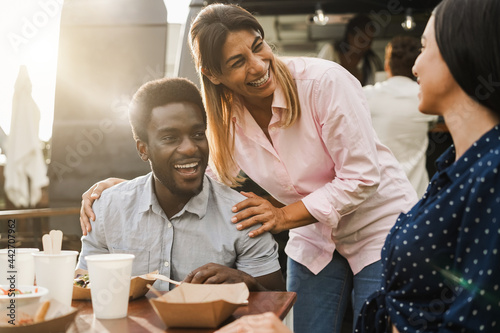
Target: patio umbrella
{"points": [[25, 169], [3, 140]]}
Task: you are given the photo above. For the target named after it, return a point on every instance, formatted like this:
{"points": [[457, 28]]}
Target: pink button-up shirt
{"points": [[330, 159]]}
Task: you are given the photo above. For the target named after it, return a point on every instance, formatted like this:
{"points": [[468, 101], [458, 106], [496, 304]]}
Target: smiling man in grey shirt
{"points": [[176, 219]]}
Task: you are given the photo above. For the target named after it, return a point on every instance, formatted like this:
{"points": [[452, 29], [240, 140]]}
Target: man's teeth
{"points": [[186, 166], [260, 81]]}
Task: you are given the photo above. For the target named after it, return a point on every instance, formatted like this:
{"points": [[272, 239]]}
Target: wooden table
{"points": [[142, 318]]}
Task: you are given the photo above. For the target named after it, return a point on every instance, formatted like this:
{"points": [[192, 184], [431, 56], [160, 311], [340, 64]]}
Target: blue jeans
{"points": [[322, 299]]}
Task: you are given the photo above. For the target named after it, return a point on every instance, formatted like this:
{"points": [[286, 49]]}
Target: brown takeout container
{"points": [[200, 305], [138, 287], [58, 318]]}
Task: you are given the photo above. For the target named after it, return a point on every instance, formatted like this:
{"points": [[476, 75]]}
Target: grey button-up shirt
{"points": [[129, 219]]}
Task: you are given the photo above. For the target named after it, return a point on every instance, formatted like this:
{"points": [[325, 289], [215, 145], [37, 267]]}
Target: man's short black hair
{"points": [[402, 51], [159, 93]]}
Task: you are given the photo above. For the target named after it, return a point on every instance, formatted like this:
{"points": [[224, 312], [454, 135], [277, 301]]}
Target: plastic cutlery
{"points": [[152, 276], [52, 242], [47, 244], [56, 237]]}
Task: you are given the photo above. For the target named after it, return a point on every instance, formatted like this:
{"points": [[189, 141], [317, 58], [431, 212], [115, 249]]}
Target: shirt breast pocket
{"points": [[141, 263]]}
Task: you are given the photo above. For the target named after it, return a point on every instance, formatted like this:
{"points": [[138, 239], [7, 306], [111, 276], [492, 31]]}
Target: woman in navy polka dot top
{"points": [[441, 259]]}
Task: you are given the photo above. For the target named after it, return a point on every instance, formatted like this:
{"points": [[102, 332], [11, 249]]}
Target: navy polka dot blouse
{"points": [[441, 261]]}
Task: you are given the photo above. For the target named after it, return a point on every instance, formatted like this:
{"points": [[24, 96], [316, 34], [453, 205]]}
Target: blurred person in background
{"points": [[354, 51], [394, 108]]}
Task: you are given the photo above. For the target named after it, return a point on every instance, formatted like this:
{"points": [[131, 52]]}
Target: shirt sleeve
{"points": [[95, 241], [257, 256], [346, 130], [474, 279]]}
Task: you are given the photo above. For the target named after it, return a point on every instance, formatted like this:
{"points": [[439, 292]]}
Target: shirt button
{"points": [[169, 225], [166, 264]]}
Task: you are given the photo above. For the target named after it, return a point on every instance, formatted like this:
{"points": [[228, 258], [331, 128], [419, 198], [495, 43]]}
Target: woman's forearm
{"points": [[296, 215]]}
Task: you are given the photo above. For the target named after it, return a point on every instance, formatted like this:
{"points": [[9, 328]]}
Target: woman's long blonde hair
{"points": [[208, 34]]}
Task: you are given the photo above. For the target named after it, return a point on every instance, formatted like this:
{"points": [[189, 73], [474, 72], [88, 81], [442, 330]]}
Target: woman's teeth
{"points": [[260, 81]]}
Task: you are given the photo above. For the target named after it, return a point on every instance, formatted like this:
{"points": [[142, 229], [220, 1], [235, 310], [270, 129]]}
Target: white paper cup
{"points": [[17, 266], [56, 273], [109, 276]]}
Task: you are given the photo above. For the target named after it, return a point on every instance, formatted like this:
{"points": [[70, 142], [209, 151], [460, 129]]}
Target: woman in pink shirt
{"points": [[301, 129]]}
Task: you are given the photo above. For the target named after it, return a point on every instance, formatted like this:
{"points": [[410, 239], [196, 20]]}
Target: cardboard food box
{"points": [[200, 305], [138, 287], [57, 319]]}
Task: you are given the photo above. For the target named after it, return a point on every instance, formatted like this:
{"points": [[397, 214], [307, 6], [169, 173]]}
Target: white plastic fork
{"points": [[153, 276]]}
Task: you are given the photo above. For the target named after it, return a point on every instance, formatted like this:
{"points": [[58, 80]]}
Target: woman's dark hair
{"points": [[401, 53], [468, 37], [159, 93], [363, 27]]}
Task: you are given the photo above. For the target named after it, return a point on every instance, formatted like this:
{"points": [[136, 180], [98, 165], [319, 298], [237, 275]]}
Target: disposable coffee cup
{"points": [[17, 266], [109, 276], [56, 273]]}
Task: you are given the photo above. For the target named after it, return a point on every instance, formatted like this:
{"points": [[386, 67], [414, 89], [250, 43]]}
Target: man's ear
{"points": [[209, 75], [142, 149]]}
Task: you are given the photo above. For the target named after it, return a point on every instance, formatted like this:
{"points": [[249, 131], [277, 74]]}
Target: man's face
{"points": [[178, 148]]}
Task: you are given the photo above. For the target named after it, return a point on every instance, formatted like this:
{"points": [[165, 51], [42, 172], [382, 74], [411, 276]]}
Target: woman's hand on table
{"points": [[261, 323], [257, 210], [88, 198]]}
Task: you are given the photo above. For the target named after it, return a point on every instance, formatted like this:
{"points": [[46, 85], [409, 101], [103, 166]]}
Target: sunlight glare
{"points": [[32, 30]]}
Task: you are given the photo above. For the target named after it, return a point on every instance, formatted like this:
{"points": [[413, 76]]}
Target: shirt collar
{"points": [[446, 162], [146, 198], [399, 79], [196, 205], [279, 103]]}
